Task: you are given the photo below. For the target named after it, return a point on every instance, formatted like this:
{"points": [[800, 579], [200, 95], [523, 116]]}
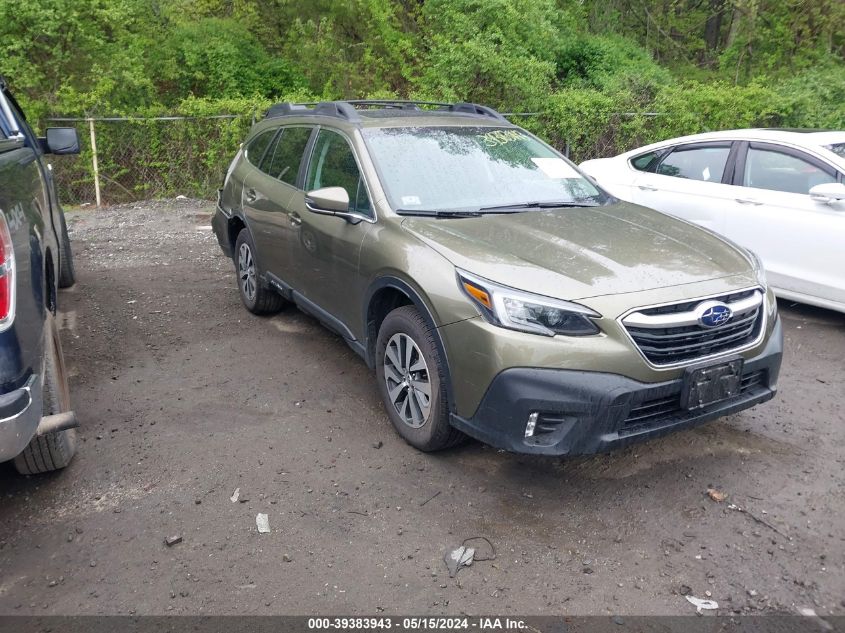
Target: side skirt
{"points": [[309, 307]]}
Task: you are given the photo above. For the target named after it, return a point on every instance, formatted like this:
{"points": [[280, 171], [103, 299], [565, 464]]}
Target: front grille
{"points": [[686, 306], [652, 412], [671, 334]]}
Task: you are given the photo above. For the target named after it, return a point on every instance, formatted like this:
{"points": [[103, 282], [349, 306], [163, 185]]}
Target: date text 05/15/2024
{"points": [[415, 623]]}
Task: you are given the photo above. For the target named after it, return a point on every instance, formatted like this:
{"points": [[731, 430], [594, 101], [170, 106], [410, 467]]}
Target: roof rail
{"points": [[347, 109], [281, 109], [402, 104], [339, 109], [477, 110]]}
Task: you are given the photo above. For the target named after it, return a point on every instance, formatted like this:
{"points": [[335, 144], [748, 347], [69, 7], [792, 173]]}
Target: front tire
{"points": [[256, 297], [411, 376], [54, 450]]}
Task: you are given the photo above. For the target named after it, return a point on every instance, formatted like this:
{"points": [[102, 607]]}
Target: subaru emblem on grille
{"points": [[714, 314]]}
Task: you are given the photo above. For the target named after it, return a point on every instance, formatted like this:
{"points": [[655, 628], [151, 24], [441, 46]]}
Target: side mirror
{"points": [[331, 201], [61, 140], [828, 192]]}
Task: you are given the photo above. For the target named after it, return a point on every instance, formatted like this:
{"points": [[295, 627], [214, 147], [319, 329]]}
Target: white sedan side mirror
{"points": [[828, 192]]}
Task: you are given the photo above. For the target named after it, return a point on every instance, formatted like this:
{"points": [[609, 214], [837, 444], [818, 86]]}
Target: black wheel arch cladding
{"points": [[417, 301]]}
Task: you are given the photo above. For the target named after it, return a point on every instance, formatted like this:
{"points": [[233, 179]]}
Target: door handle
{"points": [[250, 195], [295, 219], [647, 187], [749, 201]]}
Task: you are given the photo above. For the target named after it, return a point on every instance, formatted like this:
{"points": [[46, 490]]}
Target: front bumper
{"points": [[20, 413], [582, 412]]}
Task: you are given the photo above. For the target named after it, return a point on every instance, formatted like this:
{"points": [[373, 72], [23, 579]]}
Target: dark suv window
{"points": [[257, 146], [5, 128], [282, 161], [696, 163], [333, 165]]}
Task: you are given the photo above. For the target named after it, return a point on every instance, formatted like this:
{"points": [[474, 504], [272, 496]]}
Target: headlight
{"points": [[759, 270], [517, 310]]}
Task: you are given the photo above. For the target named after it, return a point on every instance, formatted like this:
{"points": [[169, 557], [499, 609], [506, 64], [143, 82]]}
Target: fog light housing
{"points": [[532, 424]]}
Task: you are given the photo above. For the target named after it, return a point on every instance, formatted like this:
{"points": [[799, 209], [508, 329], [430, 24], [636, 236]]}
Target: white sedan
{"points": [[780, 193]]}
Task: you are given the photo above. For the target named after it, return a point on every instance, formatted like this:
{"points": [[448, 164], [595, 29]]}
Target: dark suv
{"points": [[37, 426]]}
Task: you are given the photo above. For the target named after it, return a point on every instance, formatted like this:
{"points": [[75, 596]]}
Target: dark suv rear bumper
{"points": [[20, 413], [590, 412]]}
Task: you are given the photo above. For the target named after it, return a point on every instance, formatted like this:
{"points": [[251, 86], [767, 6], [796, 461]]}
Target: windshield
{"points": [[838, 149], [471, 168]]}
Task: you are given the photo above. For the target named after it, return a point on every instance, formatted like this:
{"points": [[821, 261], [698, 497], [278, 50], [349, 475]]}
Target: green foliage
{"points": [[696, 107], [347, 49], [607, 62], [815, 98], [492, 51], [218, 57], [60, 52], [604, 75]]}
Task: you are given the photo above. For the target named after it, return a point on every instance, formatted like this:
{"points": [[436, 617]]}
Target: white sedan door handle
{"points": [[748, 201], [647, 187]]}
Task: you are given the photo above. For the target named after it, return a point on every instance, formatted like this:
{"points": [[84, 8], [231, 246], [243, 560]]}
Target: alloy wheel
{"points": [[407, 378], [246, 272]]}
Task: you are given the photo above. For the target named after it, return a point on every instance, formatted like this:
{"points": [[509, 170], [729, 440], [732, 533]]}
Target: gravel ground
{"points": [[184, 397]]}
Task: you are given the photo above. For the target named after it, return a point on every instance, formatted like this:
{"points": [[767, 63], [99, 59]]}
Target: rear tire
{"points": [[67, 272], [256, 297], [54, 450], [411, 374]]}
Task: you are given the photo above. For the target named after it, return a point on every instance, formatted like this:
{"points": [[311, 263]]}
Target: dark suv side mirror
{"points": [[331, 201], [61, 140]]}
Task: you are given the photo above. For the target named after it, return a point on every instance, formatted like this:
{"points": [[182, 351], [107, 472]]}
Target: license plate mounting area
{"points": [[709, 384]]}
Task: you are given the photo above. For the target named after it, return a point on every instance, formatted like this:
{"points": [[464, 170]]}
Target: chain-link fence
{"points": [[601, 134], [128, 159]]}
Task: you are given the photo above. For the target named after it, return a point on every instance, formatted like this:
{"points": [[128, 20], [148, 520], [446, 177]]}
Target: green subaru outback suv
{"points": [[496, 291]]}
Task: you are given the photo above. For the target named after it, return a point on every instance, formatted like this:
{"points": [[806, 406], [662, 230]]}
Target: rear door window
{"points": [[781, 171], [705, 163], [283, 162]]}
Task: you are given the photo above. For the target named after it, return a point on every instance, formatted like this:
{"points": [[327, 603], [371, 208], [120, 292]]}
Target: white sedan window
{"points": [[767, 169], [697, 163]]}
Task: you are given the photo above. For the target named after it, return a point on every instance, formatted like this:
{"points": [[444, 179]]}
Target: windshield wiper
{"points": [[437, 213], [517, 206]]}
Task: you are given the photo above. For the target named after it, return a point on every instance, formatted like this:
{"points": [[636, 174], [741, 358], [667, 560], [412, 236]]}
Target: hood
{"points": [[575, 253]]}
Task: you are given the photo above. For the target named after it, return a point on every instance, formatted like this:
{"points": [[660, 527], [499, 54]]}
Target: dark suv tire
{"points": [[411, 376], [256, 297], [54, 450]]}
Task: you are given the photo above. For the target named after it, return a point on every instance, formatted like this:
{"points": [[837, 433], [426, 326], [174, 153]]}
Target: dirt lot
{"points": [[184, 397]]}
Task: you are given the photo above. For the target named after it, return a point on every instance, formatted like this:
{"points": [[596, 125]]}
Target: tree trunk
{"points": [[713, 27], [736, 23]]}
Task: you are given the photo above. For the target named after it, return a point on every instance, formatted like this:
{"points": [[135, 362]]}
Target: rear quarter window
{"points": [[838, 149], [645, 162], [256, 148]]}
